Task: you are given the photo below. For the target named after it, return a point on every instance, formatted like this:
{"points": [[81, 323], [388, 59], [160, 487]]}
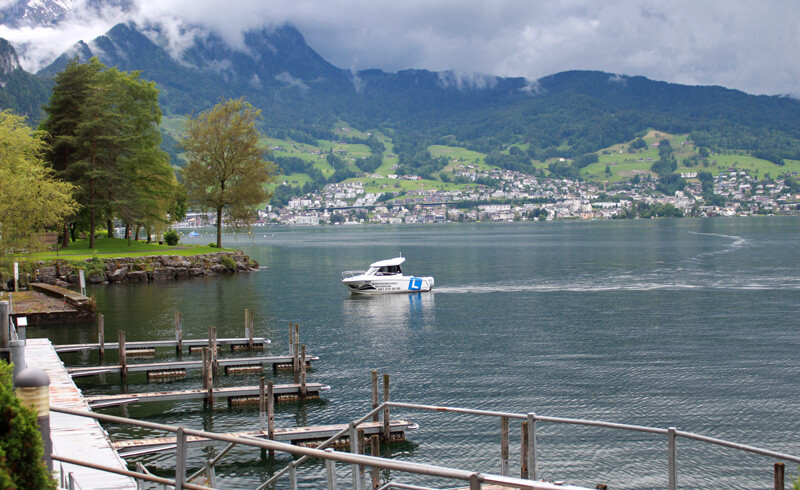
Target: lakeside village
{"points": [[539, 199]]}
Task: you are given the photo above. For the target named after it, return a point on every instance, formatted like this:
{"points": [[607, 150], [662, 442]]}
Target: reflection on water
{"points": [[390, 311]]}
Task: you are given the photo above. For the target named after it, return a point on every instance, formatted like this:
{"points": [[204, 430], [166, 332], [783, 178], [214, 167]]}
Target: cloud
{"points": [[466, 80], [286, 78], [745, 45]]}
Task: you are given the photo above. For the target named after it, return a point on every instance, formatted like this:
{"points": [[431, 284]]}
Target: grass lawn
{"points": [[118, 247]]}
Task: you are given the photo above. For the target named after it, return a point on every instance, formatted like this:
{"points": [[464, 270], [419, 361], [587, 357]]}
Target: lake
{"points": [[691, 323]]}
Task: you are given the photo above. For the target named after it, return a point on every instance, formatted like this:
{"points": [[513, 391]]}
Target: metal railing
{"points": [[475, 479], [530, 444], [529, 449]]}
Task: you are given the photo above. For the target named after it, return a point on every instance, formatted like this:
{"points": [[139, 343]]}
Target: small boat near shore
{"points": [[384, 277]]}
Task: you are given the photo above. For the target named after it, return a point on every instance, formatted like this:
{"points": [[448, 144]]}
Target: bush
{"points": [[21, 447], [227, 262], [212, 245], [171, 237]]}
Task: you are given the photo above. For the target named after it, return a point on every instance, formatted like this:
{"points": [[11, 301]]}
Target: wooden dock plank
{"points": [[182, 364], [73, 435], [159, 343], [294, 435], [200, 394]]}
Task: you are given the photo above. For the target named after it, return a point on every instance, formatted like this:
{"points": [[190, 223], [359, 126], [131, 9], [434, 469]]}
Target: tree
{"points": [[103, 126], [226, 169], [32, 199]]}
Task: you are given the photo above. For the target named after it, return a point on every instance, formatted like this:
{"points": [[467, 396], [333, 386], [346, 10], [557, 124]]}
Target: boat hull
{"points": [[393, 285]]}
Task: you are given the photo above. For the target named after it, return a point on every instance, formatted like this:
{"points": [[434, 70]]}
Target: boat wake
{"points": [[703, 284]]}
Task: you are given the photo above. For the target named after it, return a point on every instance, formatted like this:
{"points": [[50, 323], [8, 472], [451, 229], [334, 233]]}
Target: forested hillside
{"points": [[302, 97]]}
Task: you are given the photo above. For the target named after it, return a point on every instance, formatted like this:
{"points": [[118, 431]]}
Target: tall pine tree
{"points": [[103, 125]]}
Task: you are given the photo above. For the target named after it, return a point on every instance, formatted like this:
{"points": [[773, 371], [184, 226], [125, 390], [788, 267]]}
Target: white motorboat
{"points": [[385, 276]]}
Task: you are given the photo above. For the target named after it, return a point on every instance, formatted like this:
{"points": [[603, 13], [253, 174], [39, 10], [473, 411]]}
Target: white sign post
{"points": [[83, 282], [16, 276]]}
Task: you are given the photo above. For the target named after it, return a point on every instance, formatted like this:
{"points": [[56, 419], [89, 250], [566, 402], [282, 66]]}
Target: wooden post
{"points": [[303, 391], [262, 405], [271, 410], [212, 344], [296, 363], [375, 442], [246, 323], [179, 332], [523, 451], [271, 413], [250, 329], [779, 476], [362, 449], [122, 358], [204, 367], [101, 335], [291, 338], [386, 429], [210, 358], [375, 416], [504, 446]]}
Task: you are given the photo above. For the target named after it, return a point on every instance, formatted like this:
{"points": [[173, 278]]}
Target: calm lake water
{"points": [[691, 323]]}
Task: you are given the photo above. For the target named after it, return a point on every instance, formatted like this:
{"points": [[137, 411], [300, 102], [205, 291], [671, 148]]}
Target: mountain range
{"points": [[300, 93]]}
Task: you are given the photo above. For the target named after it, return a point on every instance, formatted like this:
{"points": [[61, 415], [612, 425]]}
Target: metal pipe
{"points": [[342, 457], [672, 464], [736, 445], [180, 459], [132, 474], [354, 450], [522, 416], [533, 466], [18, 356], [330, 471]]}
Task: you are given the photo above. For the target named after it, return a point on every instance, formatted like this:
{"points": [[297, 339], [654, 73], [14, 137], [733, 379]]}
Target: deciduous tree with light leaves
{"points": [[227, 169], [32, 198]]}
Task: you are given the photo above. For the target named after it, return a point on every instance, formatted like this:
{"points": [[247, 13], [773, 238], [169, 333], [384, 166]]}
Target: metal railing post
{"points": [[673, 471], [292, 476], [533, 467], [475, 481], [354, 449], [330, 471], [180, 459]]}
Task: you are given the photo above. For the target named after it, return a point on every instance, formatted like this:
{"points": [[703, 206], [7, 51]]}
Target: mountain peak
{"points": [[28, 13], [8, 59]]}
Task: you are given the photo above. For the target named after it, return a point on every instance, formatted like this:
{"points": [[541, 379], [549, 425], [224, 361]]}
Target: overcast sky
{"points": [[749, 45]]}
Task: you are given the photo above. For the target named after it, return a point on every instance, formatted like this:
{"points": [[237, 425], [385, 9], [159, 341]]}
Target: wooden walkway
{"points": [[312, 389], [258, 343], [296, 435], [180, 364], [75, 436]]}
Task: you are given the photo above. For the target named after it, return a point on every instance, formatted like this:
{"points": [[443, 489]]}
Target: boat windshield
{"points": [[387, 270]]}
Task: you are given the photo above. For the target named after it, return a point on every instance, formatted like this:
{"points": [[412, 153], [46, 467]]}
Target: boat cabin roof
{"points": [[388, 262]]}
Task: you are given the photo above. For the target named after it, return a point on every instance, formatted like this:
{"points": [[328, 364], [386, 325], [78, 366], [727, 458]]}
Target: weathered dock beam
{"points": [[280, 391], [190, 343], [306, 436], [181, 364]]}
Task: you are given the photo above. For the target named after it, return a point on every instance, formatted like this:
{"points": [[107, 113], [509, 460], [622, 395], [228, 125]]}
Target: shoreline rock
{"points": [[154, 268]]}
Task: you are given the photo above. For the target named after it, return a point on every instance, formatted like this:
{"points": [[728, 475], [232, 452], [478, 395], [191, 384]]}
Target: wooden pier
{"points": [[235, 343], [231, 393], [73, 435], [274, 361], [307, 436]]}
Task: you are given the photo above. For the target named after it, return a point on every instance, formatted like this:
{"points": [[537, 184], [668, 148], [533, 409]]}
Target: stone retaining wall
{"points": [[142, 269]]}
